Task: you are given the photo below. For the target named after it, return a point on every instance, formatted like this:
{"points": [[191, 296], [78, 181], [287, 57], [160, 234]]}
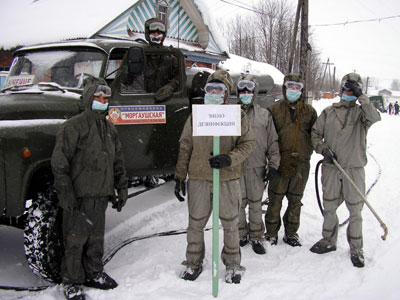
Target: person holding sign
{"points": [[260, 166], [293, 121], [197, 161]]}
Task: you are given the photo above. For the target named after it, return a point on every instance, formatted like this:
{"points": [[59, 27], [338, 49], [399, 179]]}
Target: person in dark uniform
{"points": [[293, 119], [161, 77], [87, 164], [161, 72]]}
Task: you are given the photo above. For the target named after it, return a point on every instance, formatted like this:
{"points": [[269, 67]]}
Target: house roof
{"points": [[27, 22]]}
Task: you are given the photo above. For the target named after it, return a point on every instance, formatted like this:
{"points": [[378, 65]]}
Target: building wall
{"points": [[6, 59], [385, 93]]}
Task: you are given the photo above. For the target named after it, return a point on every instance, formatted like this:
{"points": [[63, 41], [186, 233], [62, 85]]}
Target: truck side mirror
{"points": [[135, 60]]}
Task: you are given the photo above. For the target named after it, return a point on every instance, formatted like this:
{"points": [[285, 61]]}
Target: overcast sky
{"points": [[370, 48]]}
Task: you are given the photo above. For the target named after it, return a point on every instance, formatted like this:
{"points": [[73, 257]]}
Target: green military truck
{"points": [[43, 90], [380, 102]]}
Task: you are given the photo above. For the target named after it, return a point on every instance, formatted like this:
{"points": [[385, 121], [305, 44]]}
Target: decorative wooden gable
{"points": [[182, 18]]}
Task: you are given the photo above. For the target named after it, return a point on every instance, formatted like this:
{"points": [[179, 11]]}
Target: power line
{"points": [[240, 2], [357, 21], [317, 25], [244, 7]]}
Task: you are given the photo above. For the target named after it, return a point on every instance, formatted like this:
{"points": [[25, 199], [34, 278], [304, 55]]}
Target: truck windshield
{"points": [[68, 68]]}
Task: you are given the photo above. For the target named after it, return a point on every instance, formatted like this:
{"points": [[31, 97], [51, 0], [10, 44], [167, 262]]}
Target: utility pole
{"points": [[366, 86], [304, 46], [333, 82], [293, 45], [327, 64]]}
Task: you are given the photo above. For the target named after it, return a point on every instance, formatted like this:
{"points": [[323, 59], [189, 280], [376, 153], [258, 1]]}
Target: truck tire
{"points": [[43, 236]]}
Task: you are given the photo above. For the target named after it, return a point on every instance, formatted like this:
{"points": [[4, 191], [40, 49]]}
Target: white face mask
{"points": [[246, 98], [156, 38], [96, 105], [293, 95], [213, 98], [346, 97]]}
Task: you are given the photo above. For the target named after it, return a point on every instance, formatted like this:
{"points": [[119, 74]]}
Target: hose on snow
{"points": [[369, 189]]}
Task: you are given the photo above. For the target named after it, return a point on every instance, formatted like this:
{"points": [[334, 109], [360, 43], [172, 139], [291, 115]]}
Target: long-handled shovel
{"points": [[385, 229]]}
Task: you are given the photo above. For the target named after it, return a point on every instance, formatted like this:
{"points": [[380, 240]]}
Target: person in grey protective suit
{"points": [[87, 164], [197, 161], [260, 167], [340, 133], [293, 119]]}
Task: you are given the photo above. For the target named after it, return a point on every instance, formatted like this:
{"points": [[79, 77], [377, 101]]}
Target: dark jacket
{"points": [[285, 119], [87, 160], [161, 70]]}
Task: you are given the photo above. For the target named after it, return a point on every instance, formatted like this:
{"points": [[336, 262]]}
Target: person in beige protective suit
{"points": [[259, 167], [196, 160], [340, 133]]}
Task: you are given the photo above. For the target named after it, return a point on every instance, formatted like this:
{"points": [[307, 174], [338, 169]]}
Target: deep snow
{"points": [[149, 269]]}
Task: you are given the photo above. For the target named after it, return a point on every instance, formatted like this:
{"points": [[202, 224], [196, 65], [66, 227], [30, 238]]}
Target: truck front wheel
{"points": [[43, 236]]}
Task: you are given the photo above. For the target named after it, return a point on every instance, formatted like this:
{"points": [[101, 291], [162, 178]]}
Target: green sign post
{"points": [[215, 245], [216, 121]]}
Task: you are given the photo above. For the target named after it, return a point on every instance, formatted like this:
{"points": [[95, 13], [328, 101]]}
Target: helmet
{"points": [[224, 77], [291, 77], [154, 24]]}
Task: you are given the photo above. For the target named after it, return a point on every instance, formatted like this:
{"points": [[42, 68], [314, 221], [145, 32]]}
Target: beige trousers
{"points": [[200, 207], [252, 187]]}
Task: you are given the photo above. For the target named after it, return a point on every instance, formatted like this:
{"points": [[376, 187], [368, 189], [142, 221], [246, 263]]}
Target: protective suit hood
{"points": [[225, 78], [351, 77], [292, 77], [89, 90], [147, 31], [252, 78]]}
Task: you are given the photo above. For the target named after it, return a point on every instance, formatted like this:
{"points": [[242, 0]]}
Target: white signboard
{"points": [[19, 80], [216, 120]]}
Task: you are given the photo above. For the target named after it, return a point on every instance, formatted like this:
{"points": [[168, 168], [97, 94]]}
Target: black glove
{"points": [[328, 156], [272, 172], [220, 161], [163, 93], [121, 201], [68, 205], [66, 199], [180, 186], [354, 87]]}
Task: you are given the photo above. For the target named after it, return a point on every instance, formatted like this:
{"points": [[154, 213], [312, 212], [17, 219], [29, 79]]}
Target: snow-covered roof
{"points": [[27, 22], [238, 64]]}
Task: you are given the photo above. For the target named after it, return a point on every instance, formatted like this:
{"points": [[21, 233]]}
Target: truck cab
{"points": [[43, 90]]}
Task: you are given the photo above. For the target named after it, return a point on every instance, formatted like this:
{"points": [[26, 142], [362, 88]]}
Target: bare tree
{"points": [[275, 20], [266, 37], [242, 41]]}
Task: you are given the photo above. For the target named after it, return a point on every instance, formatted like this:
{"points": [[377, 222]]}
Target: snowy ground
{"points": [[149, 269]]}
